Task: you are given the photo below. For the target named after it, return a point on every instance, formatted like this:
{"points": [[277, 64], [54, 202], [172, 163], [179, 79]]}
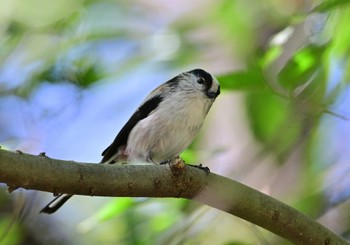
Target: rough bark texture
{"points": [[175, 180]]}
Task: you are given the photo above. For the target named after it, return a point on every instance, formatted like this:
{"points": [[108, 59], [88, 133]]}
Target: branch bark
{"points": [[57, 176]]}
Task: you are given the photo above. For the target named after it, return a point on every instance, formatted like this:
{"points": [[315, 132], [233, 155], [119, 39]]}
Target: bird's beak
{"points": [[212, 94]]}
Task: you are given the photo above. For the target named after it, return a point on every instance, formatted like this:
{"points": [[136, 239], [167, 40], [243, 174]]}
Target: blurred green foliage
{"points": [[329, 5], [11, 232], [249, 80], [301, 68]]}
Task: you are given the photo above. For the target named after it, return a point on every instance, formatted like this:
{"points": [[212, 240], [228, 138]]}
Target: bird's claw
{"points": [[200, 166]]}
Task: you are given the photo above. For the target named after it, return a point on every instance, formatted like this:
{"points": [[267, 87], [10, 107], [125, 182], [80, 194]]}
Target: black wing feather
{"points": [[122, 137]]}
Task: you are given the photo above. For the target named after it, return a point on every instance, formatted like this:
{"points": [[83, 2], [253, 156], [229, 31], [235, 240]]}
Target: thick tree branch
{"points": [[57, 176]]}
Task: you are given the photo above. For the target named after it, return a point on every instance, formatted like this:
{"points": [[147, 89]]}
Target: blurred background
{"points": [[72, 73]]}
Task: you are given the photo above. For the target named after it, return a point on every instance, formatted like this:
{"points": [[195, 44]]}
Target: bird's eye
{"points": [[201, 80]]}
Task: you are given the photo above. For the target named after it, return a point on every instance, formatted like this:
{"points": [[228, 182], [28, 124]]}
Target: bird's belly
{"points": [[171, 143], [162, 141]]}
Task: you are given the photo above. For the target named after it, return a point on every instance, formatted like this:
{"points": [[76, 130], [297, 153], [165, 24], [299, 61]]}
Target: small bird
{"points": [[163, 126]]}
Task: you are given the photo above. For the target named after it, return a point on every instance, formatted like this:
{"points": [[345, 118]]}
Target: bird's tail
{"points": [[56, 203]]}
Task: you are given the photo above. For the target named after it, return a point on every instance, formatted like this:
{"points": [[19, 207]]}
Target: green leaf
{"points": [[249, 80], [271, 55], [10, 231], [114, 208], [273, 122], [164, 220], [82, 72], [189, 156], [301, 67], [236, 243], [330, 5]]}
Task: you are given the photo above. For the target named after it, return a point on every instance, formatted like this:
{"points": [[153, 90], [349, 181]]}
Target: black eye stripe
{"points": [[208, 80], [201, 80]]}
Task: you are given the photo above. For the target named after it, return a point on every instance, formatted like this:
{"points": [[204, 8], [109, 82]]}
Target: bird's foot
{"points": [[165, 162], [176, 162], [200, 166]]}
